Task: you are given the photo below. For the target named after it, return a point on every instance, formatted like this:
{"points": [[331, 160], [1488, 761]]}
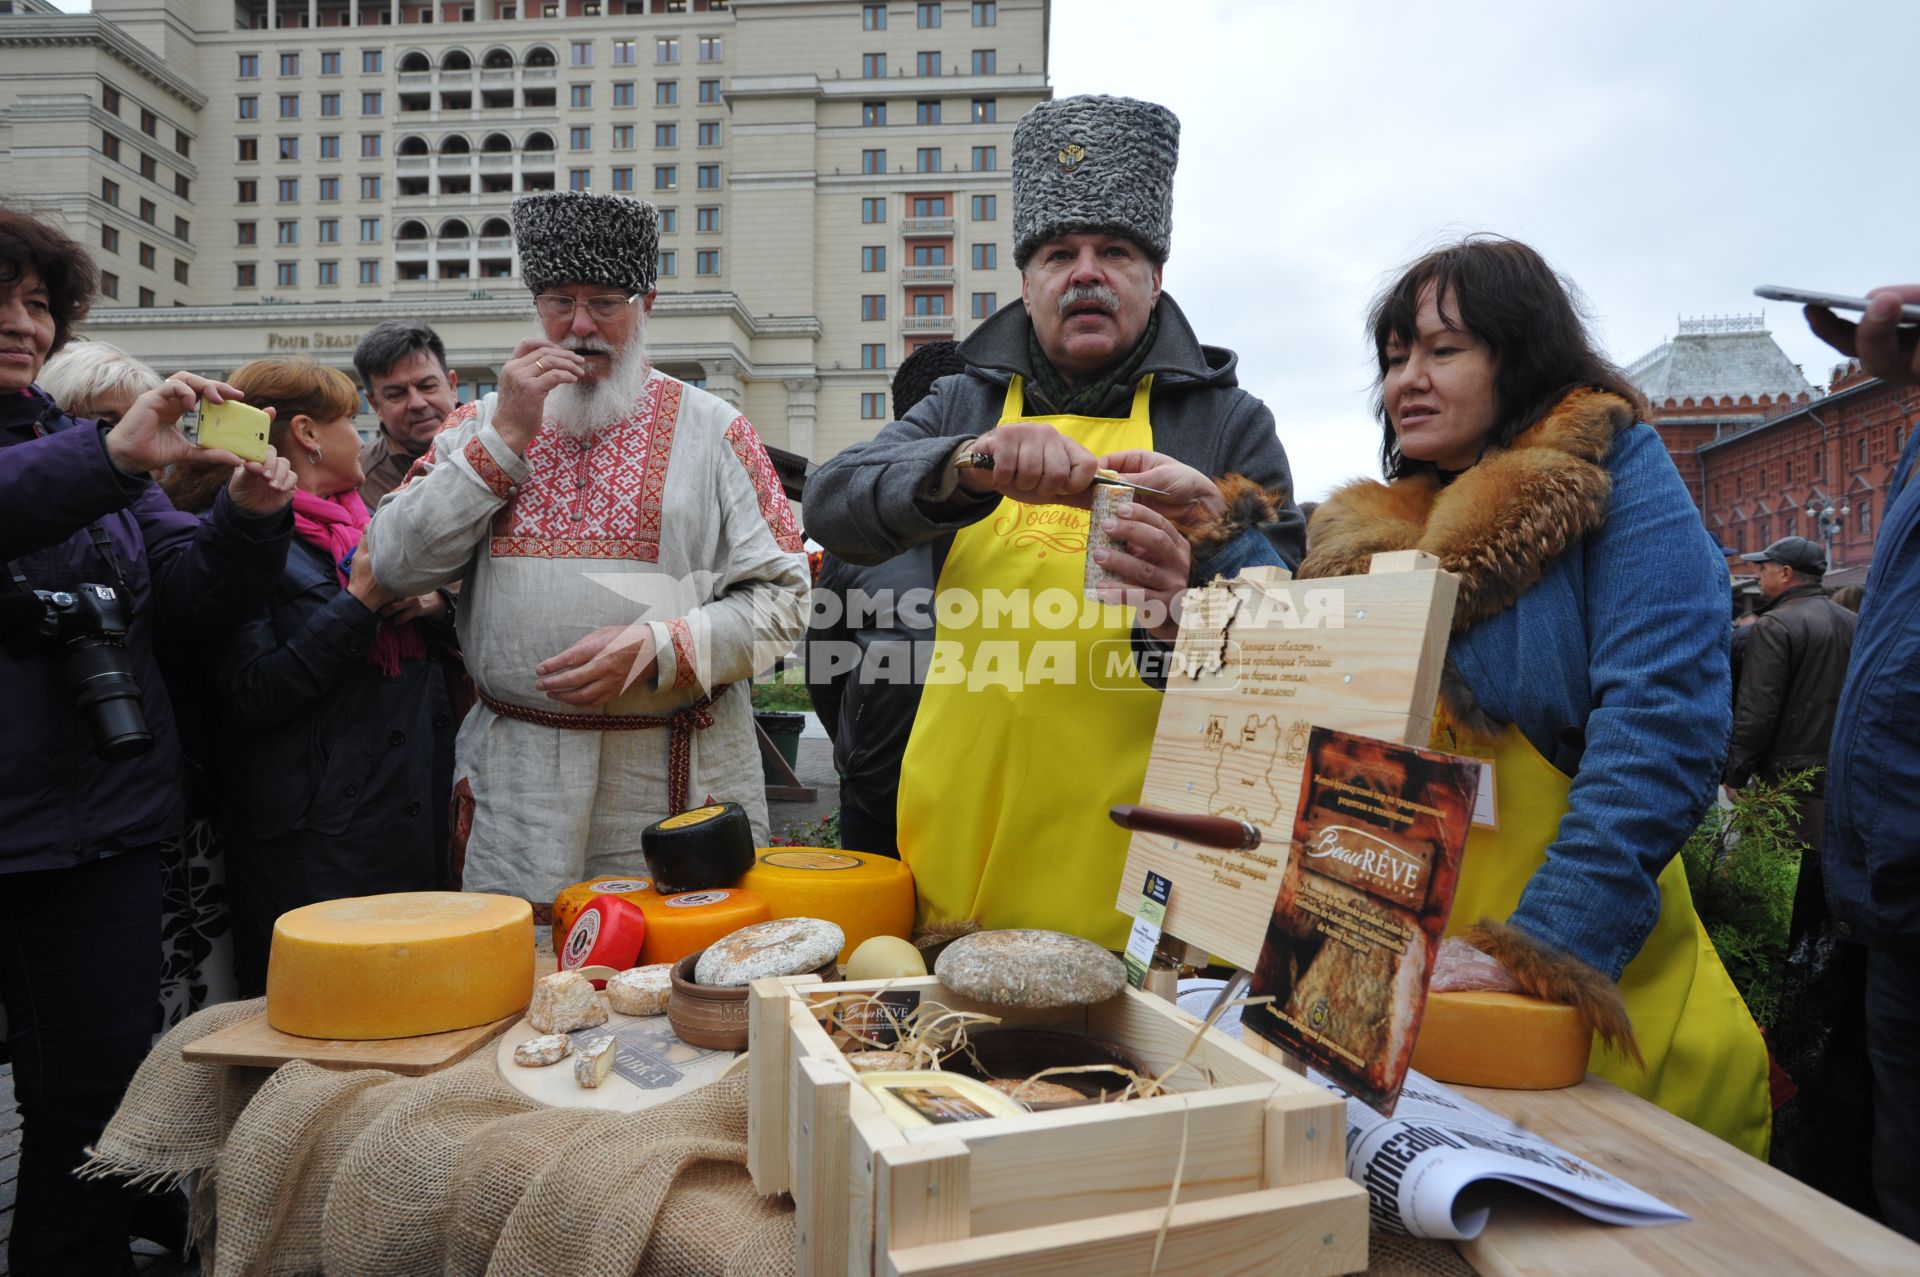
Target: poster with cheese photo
{"points": [[1369, 882]]}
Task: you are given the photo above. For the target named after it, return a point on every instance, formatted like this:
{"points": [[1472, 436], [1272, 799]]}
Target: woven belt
{"points": [[680, 725]]}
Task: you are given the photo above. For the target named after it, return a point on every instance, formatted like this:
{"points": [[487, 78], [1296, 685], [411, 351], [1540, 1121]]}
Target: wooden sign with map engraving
{"points": [[1262, 660]]}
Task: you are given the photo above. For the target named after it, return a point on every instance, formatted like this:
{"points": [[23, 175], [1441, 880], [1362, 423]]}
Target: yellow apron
{"points": [[1007, 777], [1706, 1060]]}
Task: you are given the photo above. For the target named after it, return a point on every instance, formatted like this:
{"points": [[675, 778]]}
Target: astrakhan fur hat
{"points": [[571, 237], [1094, 164]]}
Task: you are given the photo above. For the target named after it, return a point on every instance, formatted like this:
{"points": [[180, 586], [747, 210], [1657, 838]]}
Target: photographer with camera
{"points": [[96, 563]]}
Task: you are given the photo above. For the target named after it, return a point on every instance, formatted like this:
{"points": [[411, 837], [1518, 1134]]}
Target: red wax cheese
{"points": [[608, 932], [571, 900], [686, 923]]}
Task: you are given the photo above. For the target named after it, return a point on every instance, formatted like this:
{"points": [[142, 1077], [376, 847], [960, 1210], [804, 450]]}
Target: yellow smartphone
{"points": [[239, 428]]}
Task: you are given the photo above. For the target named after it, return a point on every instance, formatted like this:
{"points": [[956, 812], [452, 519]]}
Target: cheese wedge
{"points": [[398, 965], [1503, 1040]]}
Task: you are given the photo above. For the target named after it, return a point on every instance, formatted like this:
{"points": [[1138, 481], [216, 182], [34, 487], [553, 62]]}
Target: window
{"points": [[986, 111], [369, 230], [181, 271], [873, 306], [249, 66], [625, 53], [666, 49], [666, 177], [929, 254], [286, 274], [873, 257], [666, 93], [579, 179], [147, 256], [289, 64], [706, 262], [930, 303], [928, 206], [328, 273], [109, 145], [709, 93], [669, 262], [369, 104], [109, 285], [669, 220], [149, 123], [330, 62], [706, 218], [986, 13], [873, 17], [581, 54], [986, 208], [149, 212], [110, 191], [1865, 507], [181, 229], [927, 112], [984, 62], [370, 146], [243, 275], [926, 15], [370, 61], [182, 144], [369, 272], [146, 297], [369, 186], [873, 66], [329, 230], [110, 99], [986, 256], [873, 115], [623, 137], [247, 149], [873, 209], [623, 178], [986, 159], [666, 135], [329, 190], [148, 168], [927, 159], [580, 96], [110, 239], [927, 63], [286, 232], [873, 161], [329, 105], [709, 133], [289, 106], [711, 48], [623, 93], [1862, 450], [873, 406], [245, 233], [984, 304], [708, 177], [289, 148], [329, 146], [580, 137], [289, 190], [247, 108]]}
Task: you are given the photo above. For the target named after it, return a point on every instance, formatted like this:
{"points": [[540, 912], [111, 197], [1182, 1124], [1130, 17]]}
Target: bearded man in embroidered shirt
{"points": [[628, 563]]}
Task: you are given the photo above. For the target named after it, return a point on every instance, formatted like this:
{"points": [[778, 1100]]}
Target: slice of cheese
{"points": [[571, 900], [686, 923], [864, 894], [1501, 1039], [399, 965]]}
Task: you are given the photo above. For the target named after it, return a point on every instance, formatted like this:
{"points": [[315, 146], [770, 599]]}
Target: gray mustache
{"points": [[1104, 297]]}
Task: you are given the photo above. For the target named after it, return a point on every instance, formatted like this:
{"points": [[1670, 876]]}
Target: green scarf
{"points": [[1085, 402]]}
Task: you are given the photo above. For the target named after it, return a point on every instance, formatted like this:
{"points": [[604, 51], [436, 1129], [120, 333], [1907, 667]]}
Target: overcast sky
{"points": [[1667, 156]]}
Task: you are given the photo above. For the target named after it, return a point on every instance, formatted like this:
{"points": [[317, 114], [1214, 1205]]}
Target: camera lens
{"points": [[107, 697]]}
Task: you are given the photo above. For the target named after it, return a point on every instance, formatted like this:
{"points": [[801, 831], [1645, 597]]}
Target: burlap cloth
{"points": [[368, 1173]]}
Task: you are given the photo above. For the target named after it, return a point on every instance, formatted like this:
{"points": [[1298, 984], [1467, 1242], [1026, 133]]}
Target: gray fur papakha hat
{"points": [[1094, 163], [571, 237]]}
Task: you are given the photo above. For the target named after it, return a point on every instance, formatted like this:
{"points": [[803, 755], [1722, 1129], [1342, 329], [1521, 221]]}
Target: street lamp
{"points": [[1827, 522]]}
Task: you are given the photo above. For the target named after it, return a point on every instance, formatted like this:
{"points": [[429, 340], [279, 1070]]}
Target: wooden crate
{"points": [[1258, 1154]]}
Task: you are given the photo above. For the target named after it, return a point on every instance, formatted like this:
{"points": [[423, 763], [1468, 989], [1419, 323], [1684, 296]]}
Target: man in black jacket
{"points": [[1792, 670]]}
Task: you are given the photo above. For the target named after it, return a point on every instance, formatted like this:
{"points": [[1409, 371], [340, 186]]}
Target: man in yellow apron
{"points": [[1033, 722]]}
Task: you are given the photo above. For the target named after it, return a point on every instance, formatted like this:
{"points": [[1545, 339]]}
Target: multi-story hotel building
{"points": [[261, 177]]}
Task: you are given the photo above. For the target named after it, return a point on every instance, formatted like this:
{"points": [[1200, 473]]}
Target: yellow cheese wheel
{"points": [[1501, 1039], [568, 904], [398, 965], [866, 895], [689, 922]]}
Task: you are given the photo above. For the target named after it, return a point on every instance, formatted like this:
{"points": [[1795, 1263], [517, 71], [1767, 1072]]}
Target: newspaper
{"points": [[1426, 1169]]}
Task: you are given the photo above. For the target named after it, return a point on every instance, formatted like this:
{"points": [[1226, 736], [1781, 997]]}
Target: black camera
{"points": [[88, 626]]}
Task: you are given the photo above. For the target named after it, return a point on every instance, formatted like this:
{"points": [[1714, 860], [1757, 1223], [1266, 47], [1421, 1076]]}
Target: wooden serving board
{"points": [[257, 1043]]}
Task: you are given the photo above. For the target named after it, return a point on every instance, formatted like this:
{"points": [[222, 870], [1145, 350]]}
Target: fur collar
{"points": [[1498, 525]]}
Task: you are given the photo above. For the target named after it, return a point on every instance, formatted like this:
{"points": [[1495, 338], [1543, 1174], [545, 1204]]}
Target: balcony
{"points": [[416, 79], [926, 274], [501, 246], [496, 162], [497, 75], [454, 247], [927, 324], [412, 250], [540, 75], [413, 163], [926, 226], [455, 79]]}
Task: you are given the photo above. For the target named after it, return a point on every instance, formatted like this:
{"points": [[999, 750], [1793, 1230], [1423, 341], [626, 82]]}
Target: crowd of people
{"points": [[488, 648]]}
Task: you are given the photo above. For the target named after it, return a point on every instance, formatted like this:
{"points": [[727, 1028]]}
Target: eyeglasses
{"points": [[604, 307]]}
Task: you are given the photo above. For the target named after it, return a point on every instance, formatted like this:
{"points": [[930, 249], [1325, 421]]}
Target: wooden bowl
{"points": [[715, 1018], [1017, 1054]]}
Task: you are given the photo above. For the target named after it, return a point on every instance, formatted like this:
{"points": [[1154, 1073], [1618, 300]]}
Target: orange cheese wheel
{"points": [[1501, 1039], [689, 922], [632, 888], [865, 895]]}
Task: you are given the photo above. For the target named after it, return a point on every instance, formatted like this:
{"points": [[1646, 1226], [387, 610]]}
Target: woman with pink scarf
{"points": [[338, 736]]}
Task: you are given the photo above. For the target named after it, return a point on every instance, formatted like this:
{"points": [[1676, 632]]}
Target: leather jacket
{"points": [[1791, 670]]}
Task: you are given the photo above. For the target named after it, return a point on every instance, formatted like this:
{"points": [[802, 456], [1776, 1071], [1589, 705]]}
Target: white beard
{"points": [[586, 406]]}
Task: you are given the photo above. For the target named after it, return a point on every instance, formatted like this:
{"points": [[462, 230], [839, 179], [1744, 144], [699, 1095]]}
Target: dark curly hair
{"points": [[30, 245]]}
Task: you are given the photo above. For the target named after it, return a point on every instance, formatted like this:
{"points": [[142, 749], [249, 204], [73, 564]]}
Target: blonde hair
{"points": [[85, 374], [296, 387]]}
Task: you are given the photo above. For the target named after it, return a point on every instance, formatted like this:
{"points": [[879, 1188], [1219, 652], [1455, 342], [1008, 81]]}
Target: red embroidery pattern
{"points": [[497, 480], [766, 484], [597, 499], [684, 674]]}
